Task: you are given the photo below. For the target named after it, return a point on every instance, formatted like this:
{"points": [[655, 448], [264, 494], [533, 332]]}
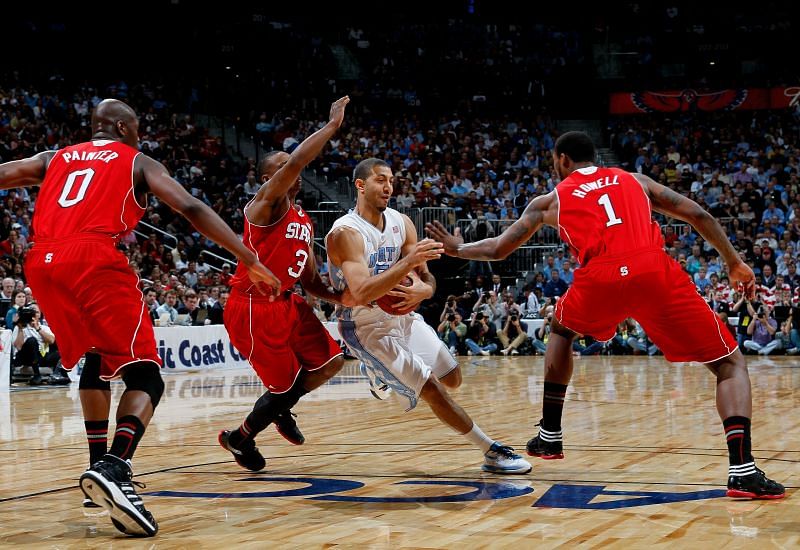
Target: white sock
{"points": [[478, 438]]}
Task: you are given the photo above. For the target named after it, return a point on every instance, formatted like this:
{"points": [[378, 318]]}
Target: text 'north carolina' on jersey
{"points": [[382, 249], [88, 188], [605, 212], [283, 247]]}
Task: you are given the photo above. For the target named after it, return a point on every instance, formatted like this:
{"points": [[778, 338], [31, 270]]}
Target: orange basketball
{"points": [[387, 301]]}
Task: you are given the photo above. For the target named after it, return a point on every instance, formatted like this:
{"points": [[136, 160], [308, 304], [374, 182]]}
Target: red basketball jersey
{"points": [[605, 211], [283, 247], [88, 188]]}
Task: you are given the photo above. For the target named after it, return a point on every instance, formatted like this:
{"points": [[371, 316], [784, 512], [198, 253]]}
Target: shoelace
{"points": [[130, 493], [506, 451]]}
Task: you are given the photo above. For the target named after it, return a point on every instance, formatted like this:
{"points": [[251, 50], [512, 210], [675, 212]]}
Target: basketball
{"points": [[387, 301]]}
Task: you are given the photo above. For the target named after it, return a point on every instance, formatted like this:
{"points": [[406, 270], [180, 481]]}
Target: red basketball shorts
{"points": [[278, 338], [91, 300], [652, 288]]}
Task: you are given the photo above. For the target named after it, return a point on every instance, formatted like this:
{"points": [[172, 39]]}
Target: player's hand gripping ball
{"points": [[387, 301]]}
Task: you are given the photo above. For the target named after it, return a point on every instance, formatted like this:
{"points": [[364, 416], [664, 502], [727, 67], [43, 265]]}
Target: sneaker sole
{"points": [[289, 438], [125, 517], [558, 456], [235, 456], [735, 493], [492, 470]]}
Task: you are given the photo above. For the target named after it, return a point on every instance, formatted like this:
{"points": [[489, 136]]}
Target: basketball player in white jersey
{"points": [[370, 251]]}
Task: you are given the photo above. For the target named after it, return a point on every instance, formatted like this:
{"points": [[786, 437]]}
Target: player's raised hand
{"points": [[743, 278], [262, 276], [424, 251], [337, 110], [451, 242]]}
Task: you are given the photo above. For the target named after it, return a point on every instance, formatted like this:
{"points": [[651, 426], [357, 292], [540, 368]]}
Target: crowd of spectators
{"points": [[742, 168]]}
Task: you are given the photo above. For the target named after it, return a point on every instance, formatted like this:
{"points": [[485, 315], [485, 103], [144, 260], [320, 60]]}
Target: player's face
{"points": [[377, 188], [275, 163]]}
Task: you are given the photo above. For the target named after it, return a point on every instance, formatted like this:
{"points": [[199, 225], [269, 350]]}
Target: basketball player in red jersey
{"points": [[605, 215], [91, 194], [287, 346]]}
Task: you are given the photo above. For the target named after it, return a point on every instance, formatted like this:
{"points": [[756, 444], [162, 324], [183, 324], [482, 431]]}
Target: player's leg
{"points": [[734, 405], [498, 458], [558, 365], [122, 334], [683, 326], [320, 359], [95, 395], [425, 343]]}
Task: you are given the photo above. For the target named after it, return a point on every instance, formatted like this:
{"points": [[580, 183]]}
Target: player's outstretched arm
{"points": [[539, 211], [346, 250], [26, 172], [668, 202], [161, 184], [279, 184]]}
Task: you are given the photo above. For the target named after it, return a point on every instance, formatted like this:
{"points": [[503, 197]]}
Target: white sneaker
{"points": [[453, 351], [469, 352], [378, 388], [500, 459], [514, 352], [484, 352], [504, 351]]}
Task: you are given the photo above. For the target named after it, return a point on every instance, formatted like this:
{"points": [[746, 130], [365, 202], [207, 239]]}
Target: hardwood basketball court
{"points": [[645, 465]]}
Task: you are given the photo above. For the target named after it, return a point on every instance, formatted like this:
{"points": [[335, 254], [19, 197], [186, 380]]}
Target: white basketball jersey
{"points": [[382, 249]]}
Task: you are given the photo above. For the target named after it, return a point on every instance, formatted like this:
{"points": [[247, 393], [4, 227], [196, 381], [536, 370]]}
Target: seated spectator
{"points": [[556, 286], [513, 335], [35, 345], [191, 306], [168, 308], [452, 332], [151, 303], [215, 314], [17, 302], [762, 333], [481, 336]]}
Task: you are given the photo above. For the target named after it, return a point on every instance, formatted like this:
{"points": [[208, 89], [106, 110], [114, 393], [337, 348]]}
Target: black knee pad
{"points": [[90, 375], [145, 376]]}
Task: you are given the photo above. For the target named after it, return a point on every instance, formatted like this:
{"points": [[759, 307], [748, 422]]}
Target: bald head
{"points": [[115, 120]]}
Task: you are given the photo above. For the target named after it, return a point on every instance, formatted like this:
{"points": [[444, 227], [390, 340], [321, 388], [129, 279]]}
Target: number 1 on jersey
{"points": [[605, 202]]}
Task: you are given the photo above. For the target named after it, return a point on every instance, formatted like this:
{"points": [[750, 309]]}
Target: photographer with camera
{"points": [[513, 335], [481, 336], [762, 333], [489, 306], [35, 345], [452, 331]]}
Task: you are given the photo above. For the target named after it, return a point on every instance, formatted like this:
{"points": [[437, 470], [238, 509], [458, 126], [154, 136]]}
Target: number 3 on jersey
{"points": [[605, 202], [301, 263], [85, 177]]}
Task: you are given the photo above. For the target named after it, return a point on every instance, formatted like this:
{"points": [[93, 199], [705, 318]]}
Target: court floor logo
{"points": [[557, 496]]}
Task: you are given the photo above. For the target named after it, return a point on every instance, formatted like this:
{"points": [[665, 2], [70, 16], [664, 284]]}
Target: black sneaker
{"points": [[287, 427], [247, 456], [36, 380], [109, 483], [756, 485], [541, 447]]}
